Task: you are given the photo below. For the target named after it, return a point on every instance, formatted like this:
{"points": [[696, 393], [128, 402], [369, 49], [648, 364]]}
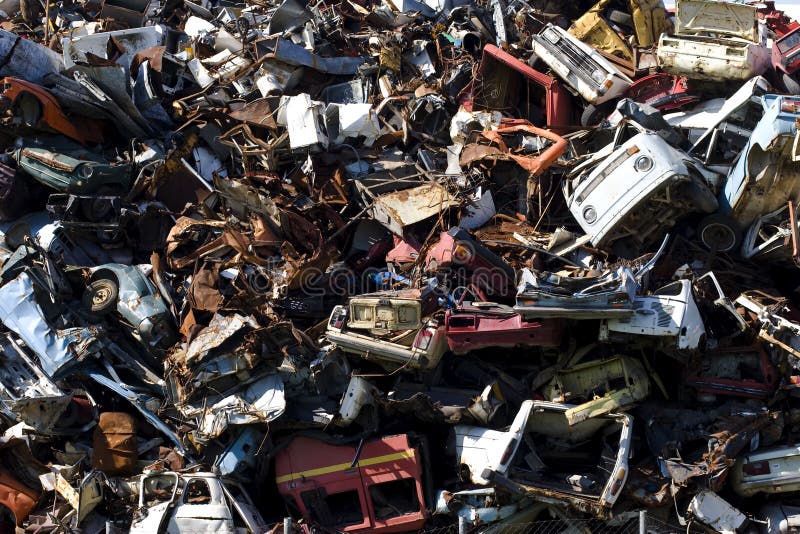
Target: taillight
{"points": [[756, 468], [423, 339], [337, 320], [790, 105], [507, 453], [618, 482]]}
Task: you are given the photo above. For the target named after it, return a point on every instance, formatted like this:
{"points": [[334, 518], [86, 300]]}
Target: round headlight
{"points": [[643, 163], [86, 171], [589, 214]]}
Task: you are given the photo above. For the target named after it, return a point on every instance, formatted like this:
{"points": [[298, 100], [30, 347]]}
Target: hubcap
{"points": [[719, 235], [101, 296]]}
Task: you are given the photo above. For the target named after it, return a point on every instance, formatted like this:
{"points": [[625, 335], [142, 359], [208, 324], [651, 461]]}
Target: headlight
{"points": [[599, 76], [86, 171], [643, 163], [550, 35], [589, 214]]}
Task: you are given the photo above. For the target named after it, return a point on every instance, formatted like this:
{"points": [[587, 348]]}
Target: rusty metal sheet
{"points": [[402, 208], [114, 444]]}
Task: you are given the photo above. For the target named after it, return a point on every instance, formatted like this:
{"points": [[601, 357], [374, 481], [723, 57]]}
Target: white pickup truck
{"points": [[715, 41], [390, 331], [584, 69]]}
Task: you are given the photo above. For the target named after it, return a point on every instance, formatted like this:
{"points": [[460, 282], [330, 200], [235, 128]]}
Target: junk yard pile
{"points": [[399, 266]]}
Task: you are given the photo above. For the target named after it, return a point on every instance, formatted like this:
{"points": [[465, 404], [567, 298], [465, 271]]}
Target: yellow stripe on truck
{"points": [[403, 455]]}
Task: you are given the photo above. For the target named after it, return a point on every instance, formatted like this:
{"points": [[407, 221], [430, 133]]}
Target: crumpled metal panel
{"points": [[260, 401], [23, 58], [56, 349]]}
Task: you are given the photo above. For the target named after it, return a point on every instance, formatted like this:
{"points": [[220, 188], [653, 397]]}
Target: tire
{"points": [[97, 209], [620, 17], [699, 195], [719, 233], [790, 84], [100, 296], [592, 115]]}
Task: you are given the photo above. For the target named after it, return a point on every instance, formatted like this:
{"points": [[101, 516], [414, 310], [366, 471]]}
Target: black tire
{"points": [[592, 115], [719, 233], [620, 17], [97, 209], [699, 195], [790, 84], [100, 296]]}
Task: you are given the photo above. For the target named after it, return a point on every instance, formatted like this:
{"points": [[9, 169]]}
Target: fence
{"points": [[637, 523]]}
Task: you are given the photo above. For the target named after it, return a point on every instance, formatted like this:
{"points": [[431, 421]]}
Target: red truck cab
{"points": [[377, 487], [505, 83], [786, 52]]}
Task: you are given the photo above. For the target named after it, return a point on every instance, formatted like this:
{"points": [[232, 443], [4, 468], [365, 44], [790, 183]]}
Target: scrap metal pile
{"points": [[396, 265]]}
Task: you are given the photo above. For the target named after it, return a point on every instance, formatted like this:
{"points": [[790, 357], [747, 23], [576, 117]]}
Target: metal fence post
{"points": [[462, 525], [642, 522]]}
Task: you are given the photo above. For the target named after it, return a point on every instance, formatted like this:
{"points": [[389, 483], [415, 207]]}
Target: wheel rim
{"points": [[719, 236], [101, 296]]}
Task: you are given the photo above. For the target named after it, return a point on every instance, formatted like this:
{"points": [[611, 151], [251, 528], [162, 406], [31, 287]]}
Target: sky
{"points": [[791, 7]]}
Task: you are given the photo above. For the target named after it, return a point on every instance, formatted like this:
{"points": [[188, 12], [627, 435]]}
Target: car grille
{"points": [[573, 57]]}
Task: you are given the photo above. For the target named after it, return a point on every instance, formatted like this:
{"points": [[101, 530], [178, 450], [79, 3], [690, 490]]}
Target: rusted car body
{"points": [[477, 325], [73, 171], [126, 290], [34, 107], [605, 385], [582, 466], [745, 372], [533, 164], [194, 502], [377, 487], [665, 92], [420, 347], [504, 81], [715, 41], [648, 18], [776, 20]]}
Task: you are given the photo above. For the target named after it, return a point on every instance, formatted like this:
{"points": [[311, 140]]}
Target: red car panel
{"points": [[351, 490], [473, 327]]}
